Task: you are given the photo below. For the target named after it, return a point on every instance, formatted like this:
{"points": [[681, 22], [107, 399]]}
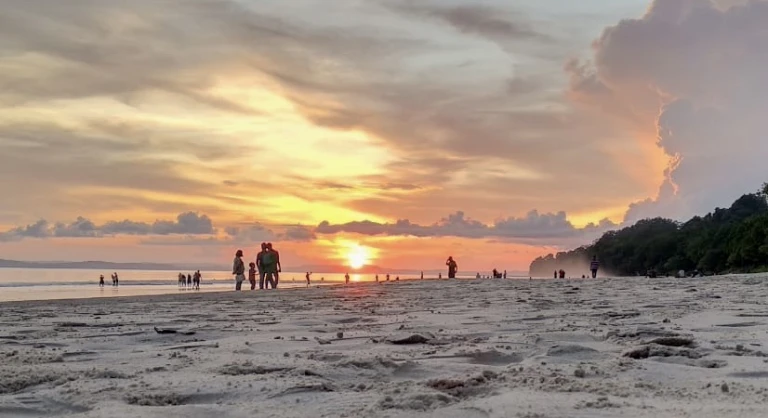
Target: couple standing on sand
{"points": [[268, 264]]}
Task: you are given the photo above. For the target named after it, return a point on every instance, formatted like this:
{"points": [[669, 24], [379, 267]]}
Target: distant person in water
{"points": [[555, 274], [117, 280], [252, 274], [238, 270], [593, 266], [562, 273], [377, 278], [101, 281], [387, 276], [439, 275], [196, 280], [422, 275], [346, 278], [477, 276], [505, 274], [260, 266], [189, 280], [397, 279], [452, 267], [307, 276], [277, 269]]}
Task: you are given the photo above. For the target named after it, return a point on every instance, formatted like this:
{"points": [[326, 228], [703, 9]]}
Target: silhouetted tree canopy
{"points": [[726, 240]]}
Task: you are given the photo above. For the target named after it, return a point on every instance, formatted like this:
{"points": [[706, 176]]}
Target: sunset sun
{"points": [[358, 256]]}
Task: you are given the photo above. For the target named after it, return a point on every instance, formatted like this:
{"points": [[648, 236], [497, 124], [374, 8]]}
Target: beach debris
{"points": [[339, 335], [580, 373], [675, 341], [724, 388], [145, 399], [173, 331], [248, 368], [189, 346], [322, 341], [405, 339], [654, 350]]}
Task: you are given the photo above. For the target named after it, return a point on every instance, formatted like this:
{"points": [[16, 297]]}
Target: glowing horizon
{"points": [[388, 133]]}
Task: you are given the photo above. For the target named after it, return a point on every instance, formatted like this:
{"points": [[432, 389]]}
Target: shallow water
{"points": [[47, 284]]}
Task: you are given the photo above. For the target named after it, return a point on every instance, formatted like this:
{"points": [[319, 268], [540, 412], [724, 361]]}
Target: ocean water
{"points": [[47, 284]]}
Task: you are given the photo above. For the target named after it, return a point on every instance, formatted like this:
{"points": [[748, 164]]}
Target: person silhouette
{"points": [[452, 267]]}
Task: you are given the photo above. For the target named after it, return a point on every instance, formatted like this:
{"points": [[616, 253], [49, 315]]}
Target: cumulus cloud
{"points": [[696, 71], [257, 233], [551, 228], [188, 223]]}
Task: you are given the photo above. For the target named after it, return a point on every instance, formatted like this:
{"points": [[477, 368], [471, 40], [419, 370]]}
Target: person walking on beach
{"points": [[346, 278], [260, 266], [252, 275], [387, 276], [238, 270], [278, 268], [377, 278], [452, 267], [505, 274], [117, 280], [196, 280], [101, 281], [189, 280], [593, 266], [307, 276], [422, 275], [269, 263]]}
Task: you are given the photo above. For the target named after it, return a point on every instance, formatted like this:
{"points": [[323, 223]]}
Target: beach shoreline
{"points": [[448, 348]]}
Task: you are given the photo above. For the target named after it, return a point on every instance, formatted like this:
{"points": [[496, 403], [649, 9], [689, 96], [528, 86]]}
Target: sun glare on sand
{"points": [[358, 256]]}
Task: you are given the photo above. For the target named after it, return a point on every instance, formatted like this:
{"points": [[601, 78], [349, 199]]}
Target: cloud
{"points": [[695, 71], [188, 223], [476, 19], [257, 233], [543, 228]]}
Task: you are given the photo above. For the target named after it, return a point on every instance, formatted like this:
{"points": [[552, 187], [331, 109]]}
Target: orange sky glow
{"points": [[388, 135]]}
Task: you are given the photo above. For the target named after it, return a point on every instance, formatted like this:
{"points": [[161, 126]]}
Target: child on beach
{"points": [[252, 275]]}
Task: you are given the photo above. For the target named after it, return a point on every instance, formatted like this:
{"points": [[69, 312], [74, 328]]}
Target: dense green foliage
{"points": [[726, 240]]}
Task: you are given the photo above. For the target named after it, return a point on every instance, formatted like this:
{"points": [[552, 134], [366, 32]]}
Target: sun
{"points": [[358, 256]]}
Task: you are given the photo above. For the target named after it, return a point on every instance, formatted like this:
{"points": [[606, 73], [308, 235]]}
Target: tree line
{"points": [[732, 240]]}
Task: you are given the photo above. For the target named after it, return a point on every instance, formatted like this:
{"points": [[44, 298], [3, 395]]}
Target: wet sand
{"points": [[467, 348]]}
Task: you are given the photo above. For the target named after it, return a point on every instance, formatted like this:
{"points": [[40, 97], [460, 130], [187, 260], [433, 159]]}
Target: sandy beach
{"points": [[467, 348]]}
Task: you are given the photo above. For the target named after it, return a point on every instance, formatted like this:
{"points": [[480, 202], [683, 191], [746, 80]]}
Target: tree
{"points": [[733, 239]]}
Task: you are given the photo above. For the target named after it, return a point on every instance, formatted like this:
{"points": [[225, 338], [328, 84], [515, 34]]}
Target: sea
{"points": [[18, 284]]}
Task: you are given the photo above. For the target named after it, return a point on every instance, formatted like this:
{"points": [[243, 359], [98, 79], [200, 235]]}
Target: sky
{"points": [[398, 131]]}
